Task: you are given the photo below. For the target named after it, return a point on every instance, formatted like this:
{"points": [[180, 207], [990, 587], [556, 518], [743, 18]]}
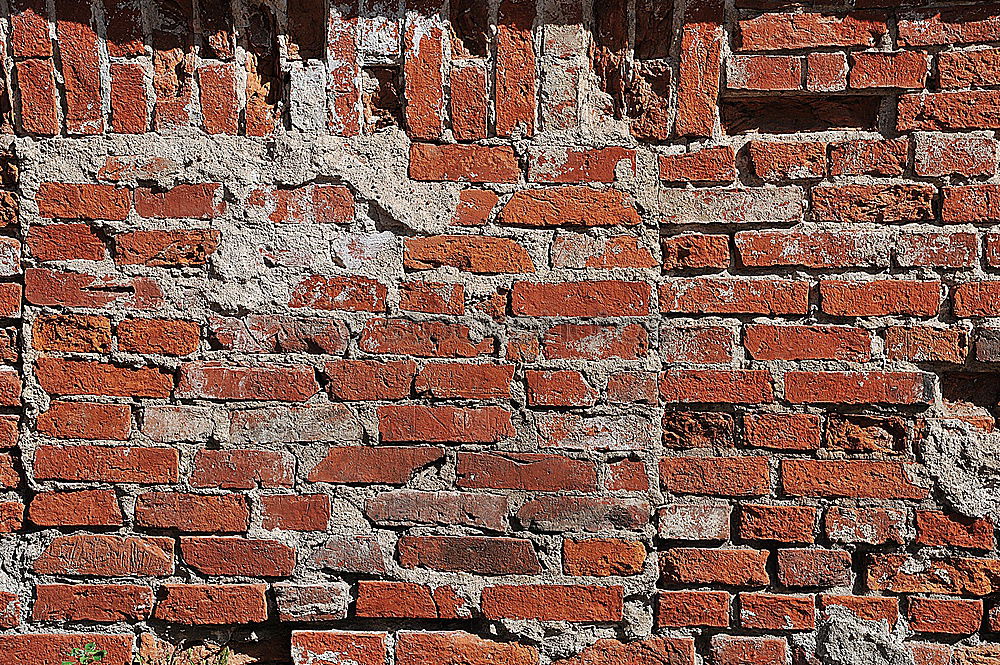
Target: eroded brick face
{"points": [[506, 332]]}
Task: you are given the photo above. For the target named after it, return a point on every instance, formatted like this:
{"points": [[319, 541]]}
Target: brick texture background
{"points": [[500, 332]]}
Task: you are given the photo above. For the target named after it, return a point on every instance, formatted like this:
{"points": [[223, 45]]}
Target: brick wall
{"points": [[500, 333]]}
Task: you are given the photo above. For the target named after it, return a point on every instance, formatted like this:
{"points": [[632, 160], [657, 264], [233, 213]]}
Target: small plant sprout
{"points": [[86, 655]]}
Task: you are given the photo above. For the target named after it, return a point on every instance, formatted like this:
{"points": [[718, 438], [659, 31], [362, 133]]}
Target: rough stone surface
{"points": [[517, 332]]}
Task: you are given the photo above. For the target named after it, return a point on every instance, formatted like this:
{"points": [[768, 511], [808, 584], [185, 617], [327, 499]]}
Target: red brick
{"points": [[866, 608], [698, 251], [403, 507], [11, 516], [463, 163], [723, 476], [946, 250], [734, 296], [478, 555], [352, 294], [219, 106], [83, 508], [242, 469], [813, 567], [853, 478], [730, 567], [279, 334], [432, 298], [296, 513], [697, 429], [603, 557], [475, 207], [697, 344], [919, 344], [788, 161], [310, 204], [369, 380], [872, 526], [81, 201], [80, 420], [52, 649], [213, 604], [949, 616], [971, 204], [49, 288], [168, 337], [78, 463], [700, 71], [444, 424], [902, 69], [425, 107], [560, 514], [784, 524], [525, 471], [958, 25], [627, 475], [873, 203], [29, 37], [80, 68], [238, 557], [952, 529], [632, 387], [10, 300], [666, 650], [575, 165], [469, 101], [129, 98], [405, 600], [559, 388], [107, 556], [826, 72], [717, 386], [782, 431], [730, 650], [445, 648], [92, 602], [715, 164], [65, 242], [515, 69], [192, 513], [869, 157], [579, 251], [959, 110], [582, 299], [880, 298], [683, 609], [166, 249], [478, 254], [39, 97], [574, 206], [591, 604], [767, 342], [384, 465], [976, 299], [210, 380], [63, 377], [943, 154], [425, 339], [857, 387], [181, 201], [960, 69], [595, 342], [814, 249], [952, 576], [764, 72], [764, 611], [772, 32]]}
